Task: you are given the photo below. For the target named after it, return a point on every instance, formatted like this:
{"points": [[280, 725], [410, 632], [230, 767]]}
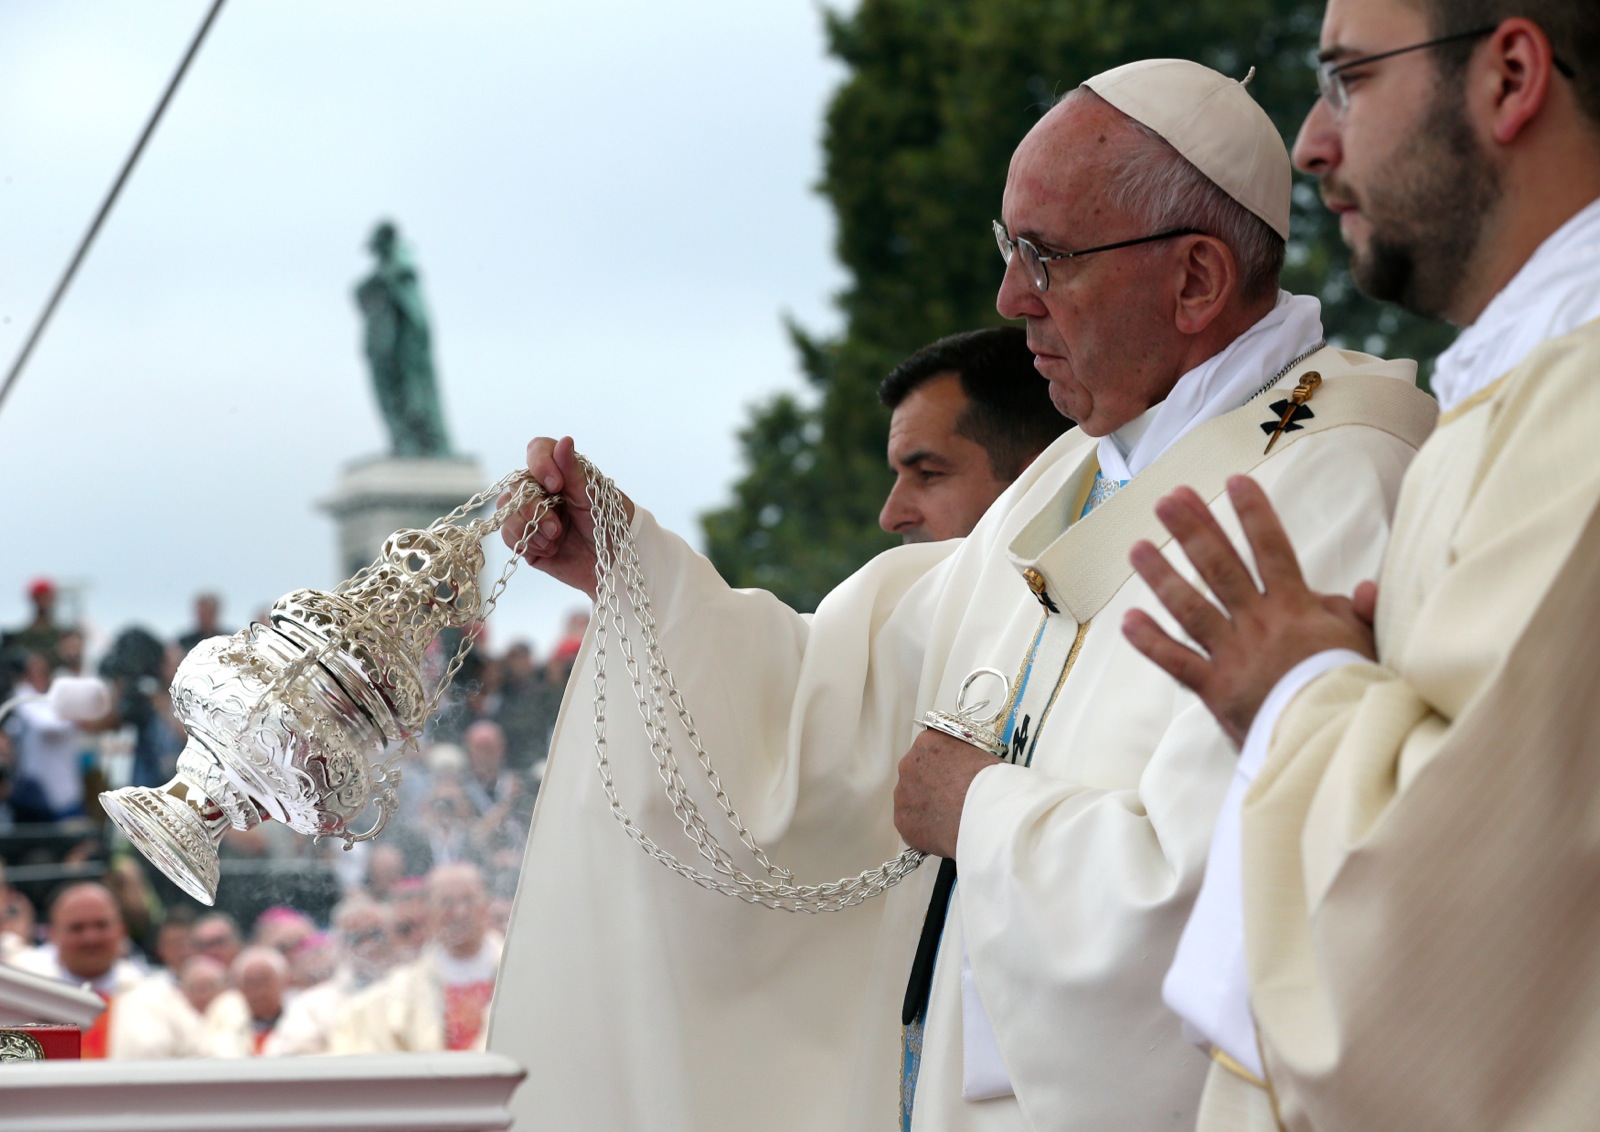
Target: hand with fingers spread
{"points": [[563, 544], [1258, 634]]}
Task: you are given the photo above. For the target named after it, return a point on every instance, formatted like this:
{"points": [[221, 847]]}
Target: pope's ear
{"points": [[1208, 281]]}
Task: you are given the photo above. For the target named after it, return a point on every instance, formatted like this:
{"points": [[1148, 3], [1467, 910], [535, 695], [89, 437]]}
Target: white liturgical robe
{"points": [[639, 1001], [1415, 846]]}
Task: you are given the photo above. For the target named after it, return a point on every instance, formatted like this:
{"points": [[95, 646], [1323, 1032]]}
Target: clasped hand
{"points": [[563, 544], [1258, 634], [935, 775]]}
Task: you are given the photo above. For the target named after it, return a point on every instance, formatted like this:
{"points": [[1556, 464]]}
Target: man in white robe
{"points": [[440, 1000], [638, 1001], [164, 1016], [86, 944], [361, 926], [239, 1021], [1398, 931]]}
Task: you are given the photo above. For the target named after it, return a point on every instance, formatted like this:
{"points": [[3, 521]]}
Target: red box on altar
{"points": [[40, 1043]]}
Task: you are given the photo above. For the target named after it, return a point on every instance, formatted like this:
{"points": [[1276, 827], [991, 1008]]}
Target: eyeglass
{"points": [[1034, 260], [1331, 80]]}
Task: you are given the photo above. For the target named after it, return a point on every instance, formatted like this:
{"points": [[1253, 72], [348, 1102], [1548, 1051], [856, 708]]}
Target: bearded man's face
{"points": [[1427, 211], [1414, 187]]}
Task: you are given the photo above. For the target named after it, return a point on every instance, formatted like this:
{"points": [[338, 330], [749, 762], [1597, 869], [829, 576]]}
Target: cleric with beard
{"points": [[1397, 926]]}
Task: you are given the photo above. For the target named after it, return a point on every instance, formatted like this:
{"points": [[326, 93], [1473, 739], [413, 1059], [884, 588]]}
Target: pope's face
{"points": [[1102, 334], [1401, 167]]}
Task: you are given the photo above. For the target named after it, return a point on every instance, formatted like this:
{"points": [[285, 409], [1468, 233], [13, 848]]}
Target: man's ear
{"points": [[1509, 86], [1209, 278]]}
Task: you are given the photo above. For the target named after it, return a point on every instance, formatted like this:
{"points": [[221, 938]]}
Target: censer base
{"points": [[172, 834]]}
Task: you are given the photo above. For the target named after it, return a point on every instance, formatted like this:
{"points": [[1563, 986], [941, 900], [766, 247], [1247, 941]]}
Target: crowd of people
{"points": [[396, 951]]}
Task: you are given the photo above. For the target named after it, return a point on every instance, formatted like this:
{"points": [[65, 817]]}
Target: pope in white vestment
{"points": [[638, 1001]]}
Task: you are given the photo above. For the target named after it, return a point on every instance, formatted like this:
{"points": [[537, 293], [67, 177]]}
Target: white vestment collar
{"points": [[1220, 384], [1554, 293]]}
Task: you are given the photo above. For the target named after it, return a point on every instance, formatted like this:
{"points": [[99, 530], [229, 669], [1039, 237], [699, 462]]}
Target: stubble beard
{"points": [[1428, 217]]}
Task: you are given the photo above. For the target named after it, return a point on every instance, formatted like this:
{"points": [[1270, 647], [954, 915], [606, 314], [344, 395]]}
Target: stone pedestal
{"points": [[377, 496]]}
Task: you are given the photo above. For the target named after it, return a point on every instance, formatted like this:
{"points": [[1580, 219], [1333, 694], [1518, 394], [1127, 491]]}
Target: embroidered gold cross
{"points": [[1293, 409]]}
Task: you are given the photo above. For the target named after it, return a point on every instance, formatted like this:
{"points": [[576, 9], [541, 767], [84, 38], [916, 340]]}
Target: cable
{"points": [[105, 207]]}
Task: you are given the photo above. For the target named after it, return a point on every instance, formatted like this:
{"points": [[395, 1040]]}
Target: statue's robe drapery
{"points": [[1422, 846], [638, 1001]]}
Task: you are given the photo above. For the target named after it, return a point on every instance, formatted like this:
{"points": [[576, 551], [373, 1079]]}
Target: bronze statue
{"points": [[399, 350]]}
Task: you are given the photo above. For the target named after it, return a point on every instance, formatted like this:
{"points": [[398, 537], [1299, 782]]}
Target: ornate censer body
{"points": [[300, 720]]}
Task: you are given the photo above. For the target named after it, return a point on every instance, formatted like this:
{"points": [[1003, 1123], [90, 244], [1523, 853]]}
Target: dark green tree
{"points": [[916, 147]]}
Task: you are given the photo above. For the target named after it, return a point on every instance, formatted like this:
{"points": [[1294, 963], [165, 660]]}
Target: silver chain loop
{"points": [[616, 555]]}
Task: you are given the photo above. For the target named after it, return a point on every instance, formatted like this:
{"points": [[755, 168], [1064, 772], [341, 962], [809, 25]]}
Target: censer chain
{"points": [[655, 692], [616, 555]]}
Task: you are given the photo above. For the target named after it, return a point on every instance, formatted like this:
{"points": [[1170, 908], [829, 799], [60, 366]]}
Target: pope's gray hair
{"points": [[1158, 184]]}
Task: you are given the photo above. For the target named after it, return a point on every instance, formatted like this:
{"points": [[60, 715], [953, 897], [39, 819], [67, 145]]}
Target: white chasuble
{"points": [[1421, 858], [638, 1001]]}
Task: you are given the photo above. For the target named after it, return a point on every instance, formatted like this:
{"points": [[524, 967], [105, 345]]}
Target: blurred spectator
{"points": [[140, 669], [313, 961], [8, 778], [566, 650], [239, 1021], [201, 980], [361, 929], [503, 803], [500, 908], [49, 753], [42, 634], [163, 1015], [216, 936], [283, 929], [136, 900], [529, 703], [85, 947], [472, 695], [489, 784], [69, 653], [441, 1000], [207, 608], [408, 927], [16, 920], [175, 940], [446, 821], [386, 867]]}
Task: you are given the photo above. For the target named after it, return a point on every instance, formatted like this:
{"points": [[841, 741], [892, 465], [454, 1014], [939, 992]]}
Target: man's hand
{"points": [[563, 544], [934, 776], [1256, 637]]}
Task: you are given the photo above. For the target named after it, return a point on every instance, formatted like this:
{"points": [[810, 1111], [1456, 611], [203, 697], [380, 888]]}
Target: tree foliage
{"points": [[916, 146]]}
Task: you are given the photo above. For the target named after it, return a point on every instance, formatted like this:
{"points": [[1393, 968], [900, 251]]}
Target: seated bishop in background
{"points": [[85, 948], [440, 1000], [1144, 222]]}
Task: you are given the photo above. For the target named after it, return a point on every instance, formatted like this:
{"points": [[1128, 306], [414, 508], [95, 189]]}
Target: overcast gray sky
{"points": [[611, 206]]}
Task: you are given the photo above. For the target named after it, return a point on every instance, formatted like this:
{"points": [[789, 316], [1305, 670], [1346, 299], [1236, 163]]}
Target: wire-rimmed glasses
{"points": [[1034, 261]]}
